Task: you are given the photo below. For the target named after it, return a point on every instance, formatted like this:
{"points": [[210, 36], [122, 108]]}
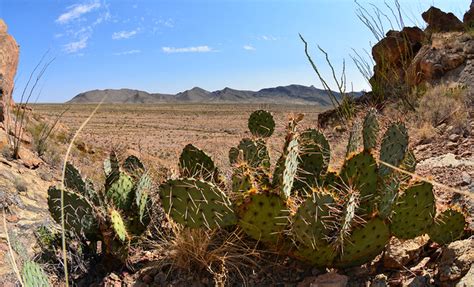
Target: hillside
{"points": [[292, 94]]}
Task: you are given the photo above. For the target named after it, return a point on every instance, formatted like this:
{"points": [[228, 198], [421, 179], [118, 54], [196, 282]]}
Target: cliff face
{"points": [[9, 53]]}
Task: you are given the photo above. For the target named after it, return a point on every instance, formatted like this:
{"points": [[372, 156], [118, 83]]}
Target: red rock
{"points": [[439, 21], [9, 53]]}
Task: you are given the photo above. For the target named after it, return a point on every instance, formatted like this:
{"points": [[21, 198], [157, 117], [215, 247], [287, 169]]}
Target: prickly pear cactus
{"points": [[118, 225], [120, 192], [196, 204], [394, 147], [78, 212], [261, 124], [254, 153], [33, 275], [364, 243], [370, 130], [413, 211], [355, 139], [194, 163], [448, 226], [263, 216]]}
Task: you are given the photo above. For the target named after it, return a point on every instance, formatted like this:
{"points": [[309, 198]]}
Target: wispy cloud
{"points": [[75, 46], [196, 49], [249, 48], [167, 23], [76, 11], [124, 34], [268, 38], [130, 52]]}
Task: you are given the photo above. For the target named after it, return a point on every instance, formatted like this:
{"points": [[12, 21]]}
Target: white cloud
{"points": [[197, 49], [124, 34], [167, 23], [76, 46], [249, 48], [130, 52], [76, 11], [268, 38]]}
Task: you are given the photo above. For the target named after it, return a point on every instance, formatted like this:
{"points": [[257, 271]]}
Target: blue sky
{"points": [[171, 46]]}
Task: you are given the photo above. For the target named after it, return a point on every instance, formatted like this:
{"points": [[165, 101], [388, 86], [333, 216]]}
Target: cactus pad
{"points": [[33, 275], [365, 243], [141, 196], [195, 163], [413, 211], [448, 226], [309, 226], [312, 136], [118, 225], [196, 204], [78, 213], [290, 168], [323, 256], [263, 216], [261, 124], [370, 129], [133, 165], [73, 180], [394, 147], [360, 173], [120, 192], [355, 139], [254, 153]]}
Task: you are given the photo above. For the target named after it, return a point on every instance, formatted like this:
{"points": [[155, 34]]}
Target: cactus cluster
{"points": [[113, 215], [300, 206], [329, 218]]}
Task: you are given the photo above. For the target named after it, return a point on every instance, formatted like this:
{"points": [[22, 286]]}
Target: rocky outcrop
{"points": [[9, 53], [439, 21], [468, 18], [393, 54]]}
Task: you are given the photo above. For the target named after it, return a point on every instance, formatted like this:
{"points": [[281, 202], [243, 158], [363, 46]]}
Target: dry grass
{"points": [[200, 252], [444, 104]]}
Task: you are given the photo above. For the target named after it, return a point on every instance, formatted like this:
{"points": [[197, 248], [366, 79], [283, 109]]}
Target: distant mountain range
{"points": [[292, 94]]}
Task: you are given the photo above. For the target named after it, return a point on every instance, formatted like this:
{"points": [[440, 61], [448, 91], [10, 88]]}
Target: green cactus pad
{"points": [[394, 147], [365, 243], [261, 124], [196, 204], [413, 212], [355, 139], [321, 257], [370, 130], [33, 275], [133, 166], [291, 168], [73, 180], [254, 153], [242, 179], [141, 195], [120, 192], [118, 225], [78, 213], [111, 165], [448, 227], [195, 163], [309, 223], [313, 160], [263, 216], [360, 173]]}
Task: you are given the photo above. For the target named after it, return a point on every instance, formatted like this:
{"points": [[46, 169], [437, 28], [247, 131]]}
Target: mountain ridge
{"points": [[290, 94]]}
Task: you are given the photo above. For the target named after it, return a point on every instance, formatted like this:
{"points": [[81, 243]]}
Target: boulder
{"points": [[456, 260], [439, 21], [9, 53]]}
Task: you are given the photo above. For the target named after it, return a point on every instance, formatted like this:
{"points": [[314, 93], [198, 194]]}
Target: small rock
{"points": [[418, 281], [466, 178], [399, 253], [421, 265], [456, 259], [454, 137], [452, 145]]}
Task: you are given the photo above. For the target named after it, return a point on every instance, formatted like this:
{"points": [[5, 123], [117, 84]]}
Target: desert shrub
{"points": [[444, 104], [20, 184]]}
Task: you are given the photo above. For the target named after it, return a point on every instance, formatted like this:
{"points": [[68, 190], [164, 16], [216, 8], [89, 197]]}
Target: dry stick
{"points": [[63, 236], [448, 188], [10, 249]]}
